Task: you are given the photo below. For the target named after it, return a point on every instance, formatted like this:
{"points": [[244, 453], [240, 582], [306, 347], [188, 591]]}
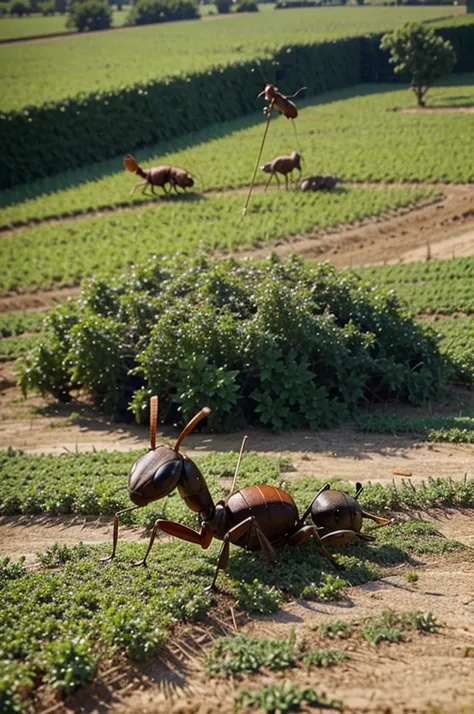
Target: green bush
{"points": [[90, 15], [47, 7], [277, 344], [415, 49], [223, 6], [147, 12], [19, 7]]}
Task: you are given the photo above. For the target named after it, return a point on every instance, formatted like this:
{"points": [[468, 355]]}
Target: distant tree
{"points": [[416, 50], [90, 15], [19, 7], [47, 7], [60, 6], [247, 6], [223, 6], [470, 5], [147, 12]]}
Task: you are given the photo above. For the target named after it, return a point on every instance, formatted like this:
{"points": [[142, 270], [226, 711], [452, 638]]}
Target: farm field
{"points": [[390, 628], [50, 71], [354, 134], [23, 27]]}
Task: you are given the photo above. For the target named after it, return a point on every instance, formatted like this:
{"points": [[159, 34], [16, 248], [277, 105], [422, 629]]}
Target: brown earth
{"points": [[427, 674]]}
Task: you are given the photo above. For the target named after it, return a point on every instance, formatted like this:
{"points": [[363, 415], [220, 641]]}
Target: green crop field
{"points": [[358, 138], [22, 27], [442, 287], [69, 252], [47, 71]]}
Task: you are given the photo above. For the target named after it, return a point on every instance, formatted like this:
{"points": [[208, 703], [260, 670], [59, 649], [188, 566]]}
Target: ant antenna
{"points": [[242, 448], [153, 421], [189, 427], [269, 113]]}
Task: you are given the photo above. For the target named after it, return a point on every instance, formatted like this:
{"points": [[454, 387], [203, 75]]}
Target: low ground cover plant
{"points": [[239, 654], [282, 698], [280, 344], [390, 626]]}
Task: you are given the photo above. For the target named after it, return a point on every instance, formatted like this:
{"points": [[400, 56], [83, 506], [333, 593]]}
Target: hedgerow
{"points": [[278, 344]]}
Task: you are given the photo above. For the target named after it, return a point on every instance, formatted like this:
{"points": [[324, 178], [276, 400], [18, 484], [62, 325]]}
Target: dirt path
{"points": [[441, 229]]}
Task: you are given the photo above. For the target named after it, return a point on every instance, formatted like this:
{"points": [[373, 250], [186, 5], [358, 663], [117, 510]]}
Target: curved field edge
{"points": [[55, 71], [353, 133], [44, 256]]}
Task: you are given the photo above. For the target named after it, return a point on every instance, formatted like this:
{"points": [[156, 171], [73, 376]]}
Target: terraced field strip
{"points": [[51, 71], [47, 256], [353, 133]]}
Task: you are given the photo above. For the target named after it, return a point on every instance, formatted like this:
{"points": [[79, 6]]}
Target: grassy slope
{"points": [[33, 74], [353, 133]]}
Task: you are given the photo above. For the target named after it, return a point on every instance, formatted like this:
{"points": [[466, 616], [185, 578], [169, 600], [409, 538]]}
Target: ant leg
{"points": [[115, 534], [177, 530], [303, 534], [137, 185], [268, 183], [153, 189], [286, 182], [278, 181], [308, 510], [238, 531]]}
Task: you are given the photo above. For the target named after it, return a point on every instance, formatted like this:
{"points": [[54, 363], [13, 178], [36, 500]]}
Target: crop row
{"points": [[16, 323], [456, 341], [67, 253], [420, 271], [438, 297], [358, 138], [95, 484], [13, 347], [436, 428], [47, 71], [443, 287]]}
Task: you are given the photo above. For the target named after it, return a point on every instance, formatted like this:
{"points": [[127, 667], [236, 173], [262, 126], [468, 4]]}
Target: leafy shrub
{"points": [[146, 12], [279, 344], [19, 7], [90, 15]]}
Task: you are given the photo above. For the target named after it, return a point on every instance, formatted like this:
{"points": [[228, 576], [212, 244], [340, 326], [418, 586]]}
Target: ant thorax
{"points": [[219, 521]]}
